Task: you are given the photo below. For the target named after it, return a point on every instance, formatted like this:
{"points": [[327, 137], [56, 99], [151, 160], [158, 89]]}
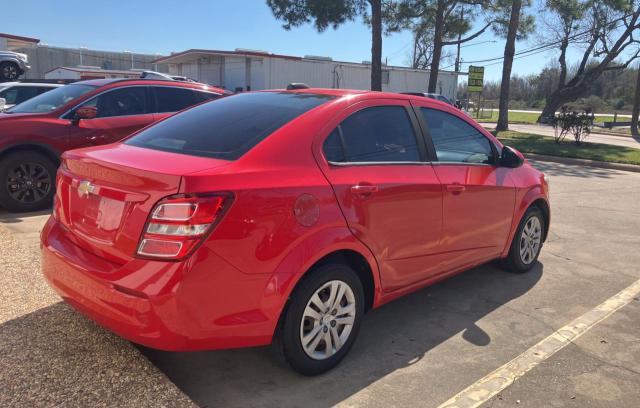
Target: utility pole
{"points": [[459, 38]]}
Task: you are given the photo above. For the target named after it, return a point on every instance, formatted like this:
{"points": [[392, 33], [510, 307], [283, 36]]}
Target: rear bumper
{"points": [[199, 304]]}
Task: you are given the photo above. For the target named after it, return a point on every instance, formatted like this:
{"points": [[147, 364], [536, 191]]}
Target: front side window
{"points": [[229, 127], [52, 100], [377, 134], [174, 99], [455, 140], [120, 102]]}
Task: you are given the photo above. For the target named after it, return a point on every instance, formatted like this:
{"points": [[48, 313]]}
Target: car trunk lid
{"points": [[105, 194]]}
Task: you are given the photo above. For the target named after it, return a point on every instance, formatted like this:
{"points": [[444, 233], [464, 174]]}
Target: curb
{"points": [[584, 162]]}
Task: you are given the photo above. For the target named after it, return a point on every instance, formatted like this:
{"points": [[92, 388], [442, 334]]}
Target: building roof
{"points": [[19, 38], [96, 70], [194, 53]]}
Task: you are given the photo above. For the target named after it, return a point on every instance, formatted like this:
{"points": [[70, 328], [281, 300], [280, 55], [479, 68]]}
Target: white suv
{"points": [[13, 93]]}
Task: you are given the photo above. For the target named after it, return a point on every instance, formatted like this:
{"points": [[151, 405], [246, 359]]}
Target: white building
{"points": [[242, 70]]}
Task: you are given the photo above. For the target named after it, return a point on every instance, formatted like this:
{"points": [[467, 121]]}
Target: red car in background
{"points": [[284, 216], [34, 133]]}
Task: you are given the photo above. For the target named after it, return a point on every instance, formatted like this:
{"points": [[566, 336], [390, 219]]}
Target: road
{"points": [[544, 130], [420, 350]]}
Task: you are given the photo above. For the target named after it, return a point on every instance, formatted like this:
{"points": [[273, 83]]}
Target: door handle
{"points": [[456, 188], [363, 189]]}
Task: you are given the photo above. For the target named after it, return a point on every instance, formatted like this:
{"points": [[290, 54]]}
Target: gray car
{"points": [[12, 65]]}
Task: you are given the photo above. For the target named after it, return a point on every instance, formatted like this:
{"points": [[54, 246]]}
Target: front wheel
{"points": [[27, 181], [527, 242], [323, 319]]}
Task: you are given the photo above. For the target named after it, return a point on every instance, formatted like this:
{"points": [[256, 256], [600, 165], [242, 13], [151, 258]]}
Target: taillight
{"points": [[178, 224]]}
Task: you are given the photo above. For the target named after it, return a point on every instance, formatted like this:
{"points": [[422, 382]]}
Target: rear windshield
{"points": [[229, 127]]}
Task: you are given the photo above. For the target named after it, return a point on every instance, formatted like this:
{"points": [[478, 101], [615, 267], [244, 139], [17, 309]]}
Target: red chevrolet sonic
{"points": [[283, 216]]}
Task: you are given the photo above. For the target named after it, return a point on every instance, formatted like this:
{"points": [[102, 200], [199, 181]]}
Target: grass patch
{"points": [[525, 117], [528, 143]]}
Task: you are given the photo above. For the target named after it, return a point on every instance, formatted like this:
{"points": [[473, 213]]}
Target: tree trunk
{"points": [[376, 45], [561, 97], [437, 49], [509, 51], [636, 109]]}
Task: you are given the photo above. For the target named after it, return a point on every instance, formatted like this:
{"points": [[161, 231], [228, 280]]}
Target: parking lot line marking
{"points": [[489, 386]]}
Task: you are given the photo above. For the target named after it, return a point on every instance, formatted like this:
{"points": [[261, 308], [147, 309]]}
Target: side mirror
{"points": [[510, 157], [3, 103], [85, 112]]}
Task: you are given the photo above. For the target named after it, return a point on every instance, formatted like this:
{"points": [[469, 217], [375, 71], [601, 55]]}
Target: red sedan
{"points": [[284, 216], [34, 133]]}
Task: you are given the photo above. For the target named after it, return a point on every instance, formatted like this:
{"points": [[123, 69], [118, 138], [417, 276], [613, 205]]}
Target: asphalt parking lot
{"points": [[418, 351]]}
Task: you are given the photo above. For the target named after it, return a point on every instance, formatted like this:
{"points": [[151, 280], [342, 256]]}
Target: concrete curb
{"points": [[584, 162]]}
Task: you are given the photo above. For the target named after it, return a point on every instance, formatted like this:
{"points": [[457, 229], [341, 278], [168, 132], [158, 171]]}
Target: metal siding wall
{"points": [[234, 73], [210, 70], [313, 73]]}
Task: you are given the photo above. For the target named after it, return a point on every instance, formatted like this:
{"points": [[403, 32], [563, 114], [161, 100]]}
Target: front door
{"points": [[120, 112], [390, 196], [479, 196]]}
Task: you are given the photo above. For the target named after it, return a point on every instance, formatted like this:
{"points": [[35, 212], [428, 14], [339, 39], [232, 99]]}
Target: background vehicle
{"points": [[88, 113], [14, 93], [301, 210], [435, 96], [12, 65]]}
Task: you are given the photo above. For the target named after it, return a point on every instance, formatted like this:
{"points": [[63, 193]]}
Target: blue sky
{"points": [[163, 26]]}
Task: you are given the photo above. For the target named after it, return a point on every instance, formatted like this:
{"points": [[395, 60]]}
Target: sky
{"points": [[163, 26]]}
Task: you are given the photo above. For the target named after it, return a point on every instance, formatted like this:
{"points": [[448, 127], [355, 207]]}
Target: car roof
{"points": [[38, 84], [361, 94], [137, 81]]}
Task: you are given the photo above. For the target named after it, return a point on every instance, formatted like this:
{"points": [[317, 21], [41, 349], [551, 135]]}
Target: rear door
{"points": [[121, 112], [375, 159], [479, 196]]}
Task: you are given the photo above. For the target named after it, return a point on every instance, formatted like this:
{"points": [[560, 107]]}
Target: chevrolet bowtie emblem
{"points": [[85, 188]]}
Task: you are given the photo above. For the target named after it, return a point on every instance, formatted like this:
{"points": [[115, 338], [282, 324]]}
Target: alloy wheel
{"points": [[530, 240], [28, 183], [327, 320], [9, 71]]}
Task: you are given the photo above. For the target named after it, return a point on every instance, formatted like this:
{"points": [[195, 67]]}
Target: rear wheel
{"points": [[9, 71], [323, 319], [27, 181], [527, 242]]}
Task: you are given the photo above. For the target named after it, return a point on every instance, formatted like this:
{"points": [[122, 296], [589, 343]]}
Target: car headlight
{"points": [[547, 181], [23, 57]]}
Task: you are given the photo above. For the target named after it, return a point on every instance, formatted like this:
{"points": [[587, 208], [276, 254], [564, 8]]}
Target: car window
{"points": [[120, 102], [377, 134], [10, 95], [174, 99], [455, 140], [228, 128], [50, 101]]}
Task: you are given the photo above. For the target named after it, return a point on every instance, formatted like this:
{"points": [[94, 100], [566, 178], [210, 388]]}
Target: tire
{"points": [[528, 235], [27, 181], [9, 71], [297, 322]]}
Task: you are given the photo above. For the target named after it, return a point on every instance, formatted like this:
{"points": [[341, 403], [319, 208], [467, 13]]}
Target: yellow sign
{"points": [[476, 79]]}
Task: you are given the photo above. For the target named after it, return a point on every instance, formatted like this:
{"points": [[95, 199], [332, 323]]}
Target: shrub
{"points": [[578, 124]]}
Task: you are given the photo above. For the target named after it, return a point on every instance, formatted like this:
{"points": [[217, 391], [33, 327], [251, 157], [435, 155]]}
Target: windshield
{"points": [[52, 100], [228, 127]]}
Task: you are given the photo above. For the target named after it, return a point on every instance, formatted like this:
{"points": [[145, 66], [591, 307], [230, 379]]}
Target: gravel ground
{"points": [[51, 355]]}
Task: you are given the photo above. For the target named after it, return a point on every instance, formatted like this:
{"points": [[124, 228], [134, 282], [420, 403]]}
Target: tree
{"points": [[636, 109], [509, 52], [447, 20], [605, 31], [333, 13]]}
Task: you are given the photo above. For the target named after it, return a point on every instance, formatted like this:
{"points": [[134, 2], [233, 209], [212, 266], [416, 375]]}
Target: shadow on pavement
{"points": [[392, 337], [56, 357], [14, 218]]}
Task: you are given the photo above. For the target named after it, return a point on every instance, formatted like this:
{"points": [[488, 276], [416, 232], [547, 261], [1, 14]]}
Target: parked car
{"points": [[12, 65], [13, 93], [88, 113], [283, 216], [435, 96]]}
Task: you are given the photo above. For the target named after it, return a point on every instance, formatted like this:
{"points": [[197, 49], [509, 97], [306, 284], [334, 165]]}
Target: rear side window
{"points": [[229, 127], [455, 140], [124, 101], [377, 134], [173, 99]]}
